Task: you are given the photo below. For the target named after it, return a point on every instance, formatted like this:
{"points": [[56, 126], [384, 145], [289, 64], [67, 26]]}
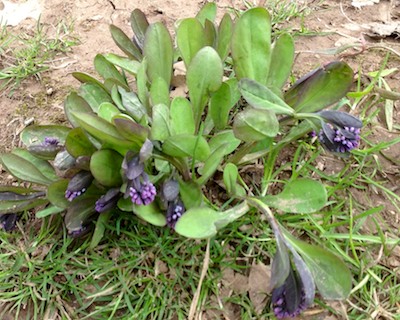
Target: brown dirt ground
{"points": [[340, 22]]}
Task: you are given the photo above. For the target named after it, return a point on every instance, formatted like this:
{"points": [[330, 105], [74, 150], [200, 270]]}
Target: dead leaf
{"points": [[259, 282], [13, 13], [362, 3]]}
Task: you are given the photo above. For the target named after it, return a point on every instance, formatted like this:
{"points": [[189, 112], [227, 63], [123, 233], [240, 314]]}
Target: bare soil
{"points": [[334, 25]]}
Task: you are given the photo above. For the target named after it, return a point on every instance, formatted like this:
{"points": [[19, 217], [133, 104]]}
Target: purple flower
{"points": [[50, 141], [107, 201], [175, 210], [8, 221], [288, 300], [142, 192], [78, 185], [171, 201], [139, 187], [78, 232], [340, 131]]}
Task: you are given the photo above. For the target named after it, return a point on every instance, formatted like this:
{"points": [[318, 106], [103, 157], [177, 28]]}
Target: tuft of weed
{"points": [[29, 54]]}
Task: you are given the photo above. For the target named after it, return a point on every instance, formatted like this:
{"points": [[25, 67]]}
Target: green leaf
{"points": [[210, 33], [106, 69], [150, 213], [185, 145], [131, 66], [160, 128], [203, 222], [87, 78], [181, 114], [101, 129], [50, 210], [100, 228], [302, 195], [190, 193], [110, 83], [255, 124], [7, 207], [212, 163], [224, 36], [56, 193], [261, 97], [107, 111], [139, 25], [125, 44], [130, 130], [230, 176], [251, 45], [223, 137], [159, 53], [207, 12], [331, 275], [132, 105], [141, 84], [36, 134], [201, 82], [190, 38], [78, 214], [105, 166], [43, 166], [320, 88], [73, 103], [281, 61], [78, 144], [159, 92], [197, 223], [221, 103], [94, 96]]}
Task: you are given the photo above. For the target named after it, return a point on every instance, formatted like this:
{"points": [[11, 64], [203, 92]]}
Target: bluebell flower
{"points": [[175, 210], [47, 149], [8, 221], [50, 141], [173, 203], [108, 201], [340, 131], [79, 232], [139, 187], [288, 300], [78, 185]]}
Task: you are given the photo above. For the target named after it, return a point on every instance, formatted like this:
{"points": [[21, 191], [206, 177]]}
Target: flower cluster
{"points": [[139, 187], [8, 221], [340, 131], [288, 300], [78, 185], [172, 201], [107, 201]]}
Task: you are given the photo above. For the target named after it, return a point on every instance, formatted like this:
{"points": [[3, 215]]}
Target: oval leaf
{"points": [[159, 52], [105, 166], [36, 134], [320, 88], [281, 61], [201, 82], [299, 196], [190, 39], [185, 145], [150, 213], [255, 125], [331, 275], [259, 96], [251, 45], [181, 114], [197, 223]]}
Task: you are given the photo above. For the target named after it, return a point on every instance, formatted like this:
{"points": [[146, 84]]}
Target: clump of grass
{"points": [[28, 54]]}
